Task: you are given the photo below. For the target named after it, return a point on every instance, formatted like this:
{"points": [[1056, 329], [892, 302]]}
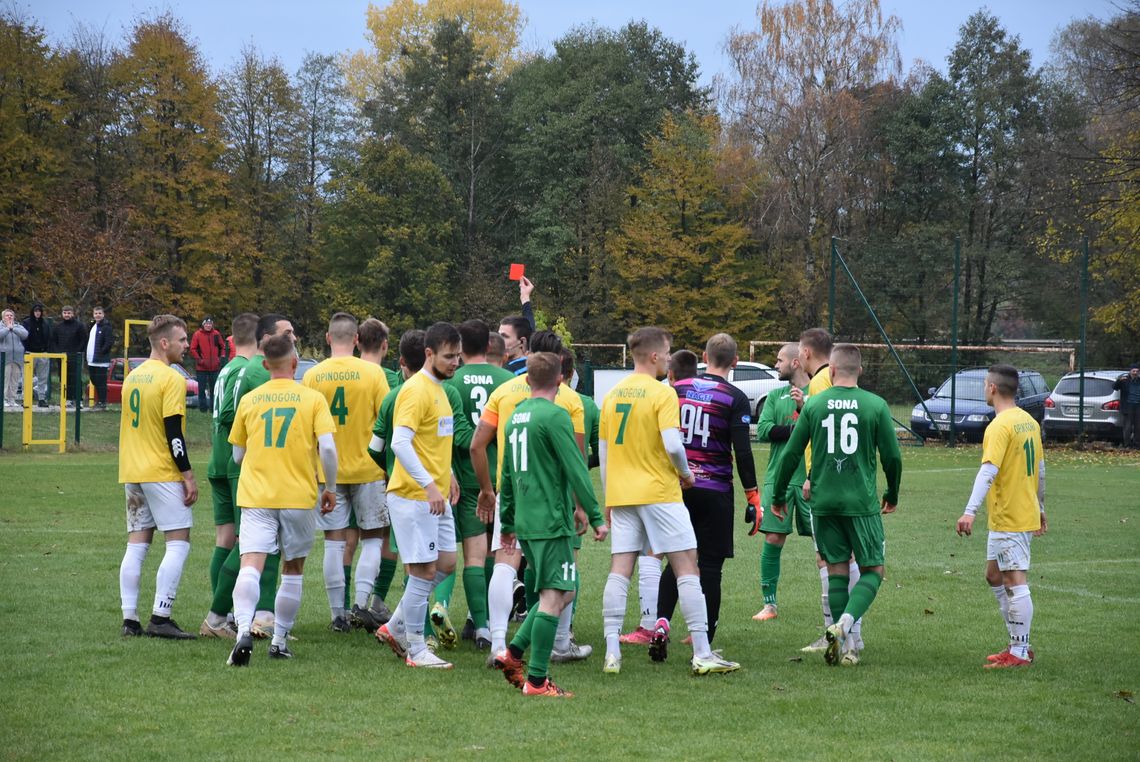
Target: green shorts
{"points": [[837, 537], [553, 562], [798, 512], [467, 523], [225, 501]]}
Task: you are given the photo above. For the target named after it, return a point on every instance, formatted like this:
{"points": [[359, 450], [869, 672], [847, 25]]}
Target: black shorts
{"points": [[711, 513]]}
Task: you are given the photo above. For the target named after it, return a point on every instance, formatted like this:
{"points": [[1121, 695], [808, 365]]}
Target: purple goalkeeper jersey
{"points": [[710, 409]]}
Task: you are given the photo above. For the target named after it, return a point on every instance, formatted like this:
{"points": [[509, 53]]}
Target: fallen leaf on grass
{"points": [[796, 658], [928, 612], [1125, 696], [777, 687]]}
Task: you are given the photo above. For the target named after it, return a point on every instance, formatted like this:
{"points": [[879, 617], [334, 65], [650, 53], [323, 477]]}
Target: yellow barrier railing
{"points": [[29, 364]]}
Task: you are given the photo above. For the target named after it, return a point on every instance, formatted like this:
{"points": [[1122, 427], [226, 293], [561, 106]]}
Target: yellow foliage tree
{"points": [[682, 260], [403, 25]]}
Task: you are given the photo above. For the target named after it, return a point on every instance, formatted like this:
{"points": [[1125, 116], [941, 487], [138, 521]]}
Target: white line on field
{"points": [[1081, 592]]}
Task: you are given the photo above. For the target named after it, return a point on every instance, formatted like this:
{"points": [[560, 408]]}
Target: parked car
{"points": [[756, 380], [303, 365], [1102, 406], [971, 413], [115, 380]]}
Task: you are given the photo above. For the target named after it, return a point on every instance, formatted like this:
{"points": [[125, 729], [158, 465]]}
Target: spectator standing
{"points": [[70, 338], [1129, 387], [39, 328], [12, 336], [208, 348], [100, 338]]}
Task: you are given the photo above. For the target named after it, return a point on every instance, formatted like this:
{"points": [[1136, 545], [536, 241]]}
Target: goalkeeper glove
{"points": [[754, 513]]}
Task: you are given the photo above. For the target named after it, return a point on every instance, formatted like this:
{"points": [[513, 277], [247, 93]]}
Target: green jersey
{"points": [[846, 426], [779, 413], [592, 415], [253, 375], [395, 377], [462, 433], [221, 451], [543, 472], [474, 384]]}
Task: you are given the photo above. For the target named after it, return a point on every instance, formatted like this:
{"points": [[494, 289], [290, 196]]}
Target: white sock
{"points": [[247, 589], [562, 635], [648, 583], [415, 603], [500, 596], [334, 576], [853, 574], [366, 569], [845, 624], [614, 598], [691, 599], [215, 620], [1003, 605], [1020, 618], [285, 607], [130, 576], [824, 601], [396, 623], [169, 575]]}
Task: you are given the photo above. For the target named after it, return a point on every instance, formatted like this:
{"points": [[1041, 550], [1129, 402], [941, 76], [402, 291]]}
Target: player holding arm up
{"points": [[847, 426], [1013, 477], [543, 474], [278, 428]]}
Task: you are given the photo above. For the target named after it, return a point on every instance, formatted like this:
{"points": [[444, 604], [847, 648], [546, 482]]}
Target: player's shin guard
{"points": [[415, 605], [366, 569], [169, 575], [334, 576], [1020, 619], [562, 635], [648, 584], [285, 607], [217, 560], [475, 589], [824, 600], [270, 573], [666, 596], [525, 634], [130, 578], [1003, 604], [499, 599], [444, 587], [245, 598], [711, 572], [541, 644], [837, 595], [384, 577], [694, 609], [770, 571], [227, 577], [863, 594], [614, 599]]}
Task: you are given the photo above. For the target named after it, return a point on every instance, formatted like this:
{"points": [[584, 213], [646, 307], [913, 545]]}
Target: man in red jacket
{"points": [[209, 351]]}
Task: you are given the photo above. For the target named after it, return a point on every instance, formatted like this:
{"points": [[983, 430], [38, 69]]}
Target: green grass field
{"points": [[74, 689]]}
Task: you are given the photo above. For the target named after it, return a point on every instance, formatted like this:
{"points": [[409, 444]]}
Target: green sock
{"points": [[475, 588], [348, 588], [837, 595], [863, 594], [384, 578], [227, 578], [542, 642], [522, 638], [216, 562], [269, 577], [429, 631], [444, 590], [531, 593], [770, 572]]}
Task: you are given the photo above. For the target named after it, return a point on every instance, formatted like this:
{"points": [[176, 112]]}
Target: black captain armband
{"points": [[176, 442], [779, 433]]}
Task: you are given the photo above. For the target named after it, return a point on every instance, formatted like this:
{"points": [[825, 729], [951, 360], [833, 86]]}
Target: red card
{"points": [[517, 271]]}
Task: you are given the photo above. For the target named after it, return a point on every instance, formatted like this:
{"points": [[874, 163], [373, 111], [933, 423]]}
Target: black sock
{"points": [[667, 593], [515, 650], [710, 569], [535, 681]]}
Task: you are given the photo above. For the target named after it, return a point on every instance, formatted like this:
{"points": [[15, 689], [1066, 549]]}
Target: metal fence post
{"points": [[831, 288], [3, 377], [954, 344], [78, 392], [1084, 328]]}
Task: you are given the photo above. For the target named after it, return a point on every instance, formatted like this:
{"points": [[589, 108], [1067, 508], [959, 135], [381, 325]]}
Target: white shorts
{"points": [[420, 535], [1009, 549], [157, 504], [288, 531], [365, 501], [651, 528]]}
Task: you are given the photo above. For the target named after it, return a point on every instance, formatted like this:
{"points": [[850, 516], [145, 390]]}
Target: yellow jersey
{"points": [[278, 424], [819, 382], [638, 470], [354, 389], [507, 397], [423, 407], [151, 392], [1012, 442]]}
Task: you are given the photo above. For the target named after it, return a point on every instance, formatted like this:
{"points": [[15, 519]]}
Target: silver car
{"points": [[756, 380], [1102, 406]]}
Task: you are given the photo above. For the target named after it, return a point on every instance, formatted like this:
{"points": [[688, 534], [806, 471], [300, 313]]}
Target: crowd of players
{"points": [[455, 450]]}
